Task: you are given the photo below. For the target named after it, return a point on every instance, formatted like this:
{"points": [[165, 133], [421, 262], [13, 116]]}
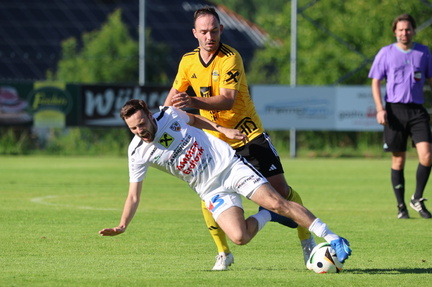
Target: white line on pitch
{"points": [[42, 200]]}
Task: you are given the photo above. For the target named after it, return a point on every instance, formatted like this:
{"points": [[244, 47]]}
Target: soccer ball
{"points": [[323, 259]]}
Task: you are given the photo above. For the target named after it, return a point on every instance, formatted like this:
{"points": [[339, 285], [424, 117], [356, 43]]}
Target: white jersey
{"points": [[186, 152]]}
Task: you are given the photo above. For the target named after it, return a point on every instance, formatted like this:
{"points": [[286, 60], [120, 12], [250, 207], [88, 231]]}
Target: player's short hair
{"points": [[404, 17], [132, 106], [205, 11]]}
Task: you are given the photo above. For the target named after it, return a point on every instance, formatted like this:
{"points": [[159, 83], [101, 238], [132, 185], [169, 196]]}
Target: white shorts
{"points": [[240, 179]]}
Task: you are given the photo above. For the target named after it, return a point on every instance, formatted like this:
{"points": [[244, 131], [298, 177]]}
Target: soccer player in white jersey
{"points": [[172, 141]]}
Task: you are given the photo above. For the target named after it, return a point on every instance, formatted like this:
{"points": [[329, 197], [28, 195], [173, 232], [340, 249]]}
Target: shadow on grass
{"points": [[390, 271]]}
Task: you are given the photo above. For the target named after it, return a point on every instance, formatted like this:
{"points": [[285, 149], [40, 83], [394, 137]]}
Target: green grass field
{"points": [[52, 208]]}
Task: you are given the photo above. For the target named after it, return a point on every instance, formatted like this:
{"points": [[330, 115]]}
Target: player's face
{"points": [[142, 125], [404, 33], [207, 31]]}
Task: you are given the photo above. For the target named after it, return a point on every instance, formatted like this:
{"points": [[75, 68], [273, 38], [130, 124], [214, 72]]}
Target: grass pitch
{"points": [[52, 208]]}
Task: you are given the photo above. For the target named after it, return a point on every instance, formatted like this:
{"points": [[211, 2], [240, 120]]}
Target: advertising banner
{"points": [[101, 105], [59, 105], [39, 104], [316, 108]]}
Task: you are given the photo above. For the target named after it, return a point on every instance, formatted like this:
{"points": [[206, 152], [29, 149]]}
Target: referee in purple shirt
{"points": [[405, 65]]}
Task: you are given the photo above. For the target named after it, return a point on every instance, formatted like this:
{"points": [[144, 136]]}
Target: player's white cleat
{"points": [[223, 261], [307, 245]]}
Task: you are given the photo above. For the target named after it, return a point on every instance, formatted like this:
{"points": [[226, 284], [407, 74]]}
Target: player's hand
{"points": [[236, 135], [112, 231], [181, 100]]}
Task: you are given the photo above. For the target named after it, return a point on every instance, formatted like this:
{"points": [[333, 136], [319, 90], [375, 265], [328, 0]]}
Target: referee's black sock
{"points": [[398, 183], [422, 177]]}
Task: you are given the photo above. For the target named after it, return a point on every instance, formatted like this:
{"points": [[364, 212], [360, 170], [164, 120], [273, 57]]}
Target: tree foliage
{"points": [[336, 40], [108, 55]]}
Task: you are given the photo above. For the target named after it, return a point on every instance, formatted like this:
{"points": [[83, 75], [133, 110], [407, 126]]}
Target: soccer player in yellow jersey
{"points": [[216, 73]]}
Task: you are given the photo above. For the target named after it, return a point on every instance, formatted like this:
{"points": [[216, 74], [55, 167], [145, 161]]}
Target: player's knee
{"points": [[242, 240]]}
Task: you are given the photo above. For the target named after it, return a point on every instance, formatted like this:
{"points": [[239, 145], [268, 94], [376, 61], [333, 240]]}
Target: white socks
{"points": [[321, 230], [263, 216]]}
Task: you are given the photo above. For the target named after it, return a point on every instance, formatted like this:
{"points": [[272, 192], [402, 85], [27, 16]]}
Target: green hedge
{"points": [[114, 141]]}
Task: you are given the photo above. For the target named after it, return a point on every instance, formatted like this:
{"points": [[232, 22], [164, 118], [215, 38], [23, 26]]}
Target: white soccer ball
{"points": [[323, 259]]}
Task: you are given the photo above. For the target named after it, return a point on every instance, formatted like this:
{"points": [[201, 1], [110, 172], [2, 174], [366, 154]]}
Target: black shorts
{"points": [[261, 153], [405, 120]]}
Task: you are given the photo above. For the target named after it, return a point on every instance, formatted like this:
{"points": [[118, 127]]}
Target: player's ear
{"points": [[194, 32], [221, 27]]}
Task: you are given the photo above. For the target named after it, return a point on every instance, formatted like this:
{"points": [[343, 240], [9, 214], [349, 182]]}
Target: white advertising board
{"points": [[340, 108]]}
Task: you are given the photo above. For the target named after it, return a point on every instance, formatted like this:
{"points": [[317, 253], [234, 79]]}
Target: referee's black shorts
{"points": [[261, 153], [405, 120]]}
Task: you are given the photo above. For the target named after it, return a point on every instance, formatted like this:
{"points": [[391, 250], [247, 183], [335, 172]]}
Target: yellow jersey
{"points": [[224, 70]]}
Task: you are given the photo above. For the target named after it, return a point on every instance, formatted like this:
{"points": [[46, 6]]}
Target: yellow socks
{"points": [[216, 232], [303, 233]]}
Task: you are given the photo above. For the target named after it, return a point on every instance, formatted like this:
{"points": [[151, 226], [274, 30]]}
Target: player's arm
{"points": [[129, 209], [381, 115], [169, 98], [224, 101], [204, 123]]}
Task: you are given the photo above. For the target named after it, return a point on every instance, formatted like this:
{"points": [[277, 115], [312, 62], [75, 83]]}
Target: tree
{"points": [[106, 56], [337, 40]]}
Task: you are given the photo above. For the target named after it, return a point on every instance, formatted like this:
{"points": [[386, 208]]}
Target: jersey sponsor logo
{"points": [[166, 140], [252, 178], [175, 127], [246, 126], [191, 158], [179, 149], [232, 76], [215, 76], [205, 92], [215, 202]]}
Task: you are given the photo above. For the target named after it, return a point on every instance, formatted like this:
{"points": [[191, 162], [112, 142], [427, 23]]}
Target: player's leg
{"points": [[216, 232], [307, 240], [267, 197], [224, 257], [261, 153], [239, 230], [227, 209]]}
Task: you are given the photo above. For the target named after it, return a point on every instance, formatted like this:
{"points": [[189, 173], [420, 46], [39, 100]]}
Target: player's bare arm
{"points": [[180, 100], [130, 207], [224, 101], [204, 123], [168, 100]]}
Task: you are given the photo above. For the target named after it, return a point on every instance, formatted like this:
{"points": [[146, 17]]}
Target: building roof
{"points": [[32, 31]]}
